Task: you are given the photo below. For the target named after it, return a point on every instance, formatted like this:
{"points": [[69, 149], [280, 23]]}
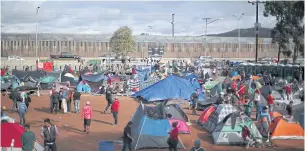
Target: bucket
{"points": [[105, 146], [301, 120]]}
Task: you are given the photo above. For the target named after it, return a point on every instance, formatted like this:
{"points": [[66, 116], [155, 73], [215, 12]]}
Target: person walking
{"points": [[127, 138], [248, 106], [76, 99], [109, 97], [257, 101], [22, 109], [28, 139], [270, 101], [173, 137], [87, 115], [49, 132], [264, 122], [115, 110], [287, 89], [194, 100], [69, 100]]}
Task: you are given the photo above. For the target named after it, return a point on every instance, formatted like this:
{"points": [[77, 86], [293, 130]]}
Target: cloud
{"points": [[105, 17]]}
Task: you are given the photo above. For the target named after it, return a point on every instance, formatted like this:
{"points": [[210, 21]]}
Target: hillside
{"points": [[248, 32]]}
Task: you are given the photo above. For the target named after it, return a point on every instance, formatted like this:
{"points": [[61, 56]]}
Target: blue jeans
{"points": [[76, 105], [22, 118]]}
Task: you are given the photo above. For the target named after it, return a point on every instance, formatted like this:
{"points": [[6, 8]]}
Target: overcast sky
{"points": [[100, 17]]}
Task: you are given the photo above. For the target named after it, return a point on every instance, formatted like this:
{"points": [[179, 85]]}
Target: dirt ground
{"points": [[72, 137]]}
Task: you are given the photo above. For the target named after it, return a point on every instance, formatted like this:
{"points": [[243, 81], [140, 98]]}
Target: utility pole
{"points": [[173, 24], [256, 25], [206, 30], [238, 18], [173, 30], [37, 9]]}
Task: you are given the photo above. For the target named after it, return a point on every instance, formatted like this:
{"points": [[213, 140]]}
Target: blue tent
{"points": [[191, 76], [83, 87], [171, 87], [149, 132], [194, 81]]}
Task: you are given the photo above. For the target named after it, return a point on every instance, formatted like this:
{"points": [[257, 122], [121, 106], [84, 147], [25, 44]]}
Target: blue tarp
{"points": [[194, 81], [191, 76], [83, 87], [143, 74], [94, 78], [171, 87]]}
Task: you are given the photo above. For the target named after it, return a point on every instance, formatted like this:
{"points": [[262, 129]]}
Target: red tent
{"points": [[10, 131], [206, 114], [13, 131]]}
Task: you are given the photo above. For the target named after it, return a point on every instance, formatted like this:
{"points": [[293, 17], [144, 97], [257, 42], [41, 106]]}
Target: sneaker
{"points": [[267, 141]]}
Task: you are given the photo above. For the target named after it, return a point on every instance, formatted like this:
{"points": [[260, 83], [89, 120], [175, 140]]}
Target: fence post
{"points": [[31, 68], [15, 67], [59, 68], [23, 68]]}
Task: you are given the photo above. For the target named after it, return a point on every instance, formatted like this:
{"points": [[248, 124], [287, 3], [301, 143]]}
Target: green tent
{"points": [[229, 131], [48, 79], [211, 84]]}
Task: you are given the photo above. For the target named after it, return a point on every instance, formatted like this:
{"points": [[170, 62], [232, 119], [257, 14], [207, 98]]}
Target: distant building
{"points": [[170, 47]]}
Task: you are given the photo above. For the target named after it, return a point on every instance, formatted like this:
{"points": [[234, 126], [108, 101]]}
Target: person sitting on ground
{"points": [[288, 109], [197, 146]]}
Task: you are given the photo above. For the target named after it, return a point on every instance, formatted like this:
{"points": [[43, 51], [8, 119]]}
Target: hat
{"points": [[197, 142], [88, 103]]}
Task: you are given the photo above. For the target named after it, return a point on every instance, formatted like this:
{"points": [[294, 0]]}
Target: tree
{"points": [[122, 41], [289, 16]]}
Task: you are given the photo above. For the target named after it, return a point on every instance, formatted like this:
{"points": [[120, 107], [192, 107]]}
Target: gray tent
{"points": [[217, 116], [228, 132], [150, 132]]}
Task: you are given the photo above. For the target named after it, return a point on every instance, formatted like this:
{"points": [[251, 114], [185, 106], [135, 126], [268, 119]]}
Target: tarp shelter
{"points": [[143, 73], [228, 132], [281, 129], [13, 131], [62, 85], [93, 81], [83, 87], [148, 132], [217, 116], [171, 87]]}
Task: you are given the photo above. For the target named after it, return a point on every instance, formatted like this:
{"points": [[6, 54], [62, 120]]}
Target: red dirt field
{"points": [[72, 137]]}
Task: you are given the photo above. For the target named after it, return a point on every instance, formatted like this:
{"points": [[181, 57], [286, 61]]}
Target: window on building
{"points": [[81, 44]]}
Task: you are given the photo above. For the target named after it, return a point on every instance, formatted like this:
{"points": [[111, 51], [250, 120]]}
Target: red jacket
{"points": [[242, 90], [115, 106]]}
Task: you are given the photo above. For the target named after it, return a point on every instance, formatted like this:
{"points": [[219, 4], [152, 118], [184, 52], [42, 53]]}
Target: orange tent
{"points": [[255, 77], [205, 114], [281, 129], [236, 77]]}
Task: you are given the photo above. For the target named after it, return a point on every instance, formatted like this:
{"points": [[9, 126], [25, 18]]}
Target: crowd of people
{"points": [[61, 101]]}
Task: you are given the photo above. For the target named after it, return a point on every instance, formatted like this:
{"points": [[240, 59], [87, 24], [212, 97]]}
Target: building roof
{"points": [[139, 38]]}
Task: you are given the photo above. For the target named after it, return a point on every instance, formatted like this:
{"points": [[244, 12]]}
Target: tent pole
{"points": [[140, 130]]}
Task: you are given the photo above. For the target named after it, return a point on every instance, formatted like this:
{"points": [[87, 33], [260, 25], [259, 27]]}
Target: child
{"points": [[197, 146], [87, 115]]}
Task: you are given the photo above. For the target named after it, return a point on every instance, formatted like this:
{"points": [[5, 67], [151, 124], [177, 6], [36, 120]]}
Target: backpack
{"points": [[56, 97]]}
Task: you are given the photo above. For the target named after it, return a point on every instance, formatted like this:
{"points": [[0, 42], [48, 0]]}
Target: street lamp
{"points": [[238, 18], [150, 32], [206, 29], [37, 9]]}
